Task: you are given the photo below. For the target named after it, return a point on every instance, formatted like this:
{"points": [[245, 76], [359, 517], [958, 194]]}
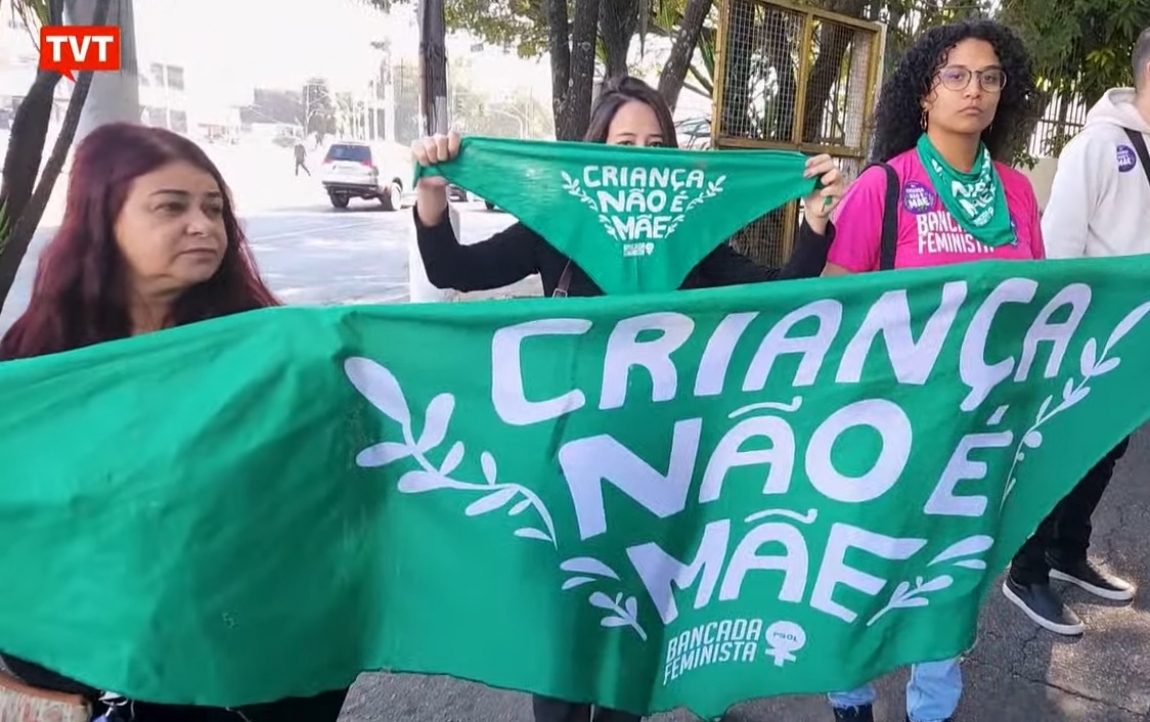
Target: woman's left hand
{"points": [[818, 206]]}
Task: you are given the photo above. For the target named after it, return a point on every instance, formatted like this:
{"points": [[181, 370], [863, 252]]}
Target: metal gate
{"points": [[793, 77]]}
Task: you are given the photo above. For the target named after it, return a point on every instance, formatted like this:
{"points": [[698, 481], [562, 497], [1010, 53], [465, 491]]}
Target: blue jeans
{"points": [[932, 693]]}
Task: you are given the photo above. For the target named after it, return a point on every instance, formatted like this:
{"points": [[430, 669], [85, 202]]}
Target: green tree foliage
{"points": [[1080, 51]]}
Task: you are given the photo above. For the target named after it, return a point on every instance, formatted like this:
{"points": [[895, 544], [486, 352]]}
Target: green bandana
{"points": [[635, 219], [645, 502], [976, 200]]}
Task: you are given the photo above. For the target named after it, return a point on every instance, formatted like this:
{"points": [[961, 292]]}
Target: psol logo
{"points": [[1127, 158]]}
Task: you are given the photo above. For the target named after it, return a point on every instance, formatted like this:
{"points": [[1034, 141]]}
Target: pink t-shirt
{"points": [[927, 234]]}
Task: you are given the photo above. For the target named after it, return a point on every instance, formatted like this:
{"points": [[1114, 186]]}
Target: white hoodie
{"points": [[1100, 200]]}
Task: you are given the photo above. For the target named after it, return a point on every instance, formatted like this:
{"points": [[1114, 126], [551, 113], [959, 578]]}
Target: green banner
{"points": [[688, 499], [637, 220]]}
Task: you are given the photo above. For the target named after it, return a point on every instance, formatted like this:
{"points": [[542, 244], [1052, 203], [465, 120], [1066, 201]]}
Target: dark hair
{"points": [[1141, 58], [617, 92], [79, 296], [898, 115]]}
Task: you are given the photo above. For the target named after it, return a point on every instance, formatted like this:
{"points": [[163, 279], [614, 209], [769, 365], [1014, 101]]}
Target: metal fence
{"points": [[790, 77], [1061, 121]]}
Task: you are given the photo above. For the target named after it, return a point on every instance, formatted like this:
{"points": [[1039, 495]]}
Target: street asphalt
{"points": [[313, 254]]}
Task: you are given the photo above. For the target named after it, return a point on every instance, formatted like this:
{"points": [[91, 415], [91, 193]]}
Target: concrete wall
{"points": [[1041, 177]]}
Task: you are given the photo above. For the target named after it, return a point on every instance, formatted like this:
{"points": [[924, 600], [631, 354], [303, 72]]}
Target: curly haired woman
{"points": [[942, 121]]}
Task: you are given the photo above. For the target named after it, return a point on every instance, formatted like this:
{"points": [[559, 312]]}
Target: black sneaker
{"points": [[1042, 605], [862, 713], [1085, 574]]}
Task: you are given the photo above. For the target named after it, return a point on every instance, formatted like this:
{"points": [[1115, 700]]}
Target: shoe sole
{"points": [[1066, 630], [1114, 595]]}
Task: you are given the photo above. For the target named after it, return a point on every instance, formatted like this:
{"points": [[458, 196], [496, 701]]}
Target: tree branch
{"points": [[675, 71]]}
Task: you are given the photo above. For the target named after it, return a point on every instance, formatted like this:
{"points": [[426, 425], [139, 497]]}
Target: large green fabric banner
{"points": [[684, 499]]}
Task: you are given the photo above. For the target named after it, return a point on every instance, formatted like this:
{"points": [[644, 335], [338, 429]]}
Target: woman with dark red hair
{"points": [[149, 241]]}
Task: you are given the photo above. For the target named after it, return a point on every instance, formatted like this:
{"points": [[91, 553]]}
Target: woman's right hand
{"points": [[435, 149]]}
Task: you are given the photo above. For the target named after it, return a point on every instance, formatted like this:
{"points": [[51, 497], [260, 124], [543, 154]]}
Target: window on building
{"points": [[179, 121], [175, 77], [158, 75]]}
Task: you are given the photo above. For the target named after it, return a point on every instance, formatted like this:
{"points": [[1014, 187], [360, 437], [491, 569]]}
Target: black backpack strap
{"points": [[1139, 142], [889, 239]]}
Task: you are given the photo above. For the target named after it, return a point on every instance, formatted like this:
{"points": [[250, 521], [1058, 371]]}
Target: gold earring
{"points": [[924, 121]]}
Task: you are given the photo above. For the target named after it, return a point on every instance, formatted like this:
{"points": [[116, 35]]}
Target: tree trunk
{"points": [[834, 42], [115, 97], [686, 40], [433, 67], [618, 22], [24, 223], [25, 151], [572, 47]]}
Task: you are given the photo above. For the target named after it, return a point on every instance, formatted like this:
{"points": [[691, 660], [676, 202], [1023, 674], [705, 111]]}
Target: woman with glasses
{"points": [[941, 125]]}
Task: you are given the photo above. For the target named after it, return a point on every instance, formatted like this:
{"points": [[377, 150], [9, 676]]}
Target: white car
{"points": [[372, 171]]}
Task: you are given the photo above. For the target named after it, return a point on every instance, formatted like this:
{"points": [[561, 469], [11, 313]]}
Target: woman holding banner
{"points": [[627, 112], [149, 241], [940, 195]]}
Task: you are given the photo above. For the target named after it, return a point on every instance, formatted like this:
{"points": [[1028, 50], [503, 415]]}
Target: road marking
{"points": [[313, 230]]}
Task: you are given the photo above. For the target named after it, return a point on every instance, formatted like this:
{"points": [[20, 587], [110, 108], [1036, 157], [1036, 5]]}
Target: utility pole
{"points": [[433, 109]]}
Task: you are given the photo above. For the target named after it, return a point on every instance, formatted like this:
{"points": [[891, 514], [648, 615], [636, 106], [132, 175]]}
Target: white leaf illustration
{"points": [[1107, 366], [587, 565], [576, 582], [614, 622], [601, 600], [451, 461], [632, 607], [901, 589], [940, 582], [491, 502], [520, 507], [1067, 389], [971, 563], [381, 454], [1044, 407], [378, 386], [913, 602], [414, 482], [1033, 439], [1078, 395], [435, 422], [1126, 325], [967, 547], [489, 467], [566, 177], [530, 533], [1089, 358]]}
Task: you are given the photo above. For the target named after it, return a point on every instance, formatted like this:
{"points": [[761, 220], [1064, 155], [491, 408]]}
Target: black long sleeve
{"points": [[725, 266], [507, 257]]}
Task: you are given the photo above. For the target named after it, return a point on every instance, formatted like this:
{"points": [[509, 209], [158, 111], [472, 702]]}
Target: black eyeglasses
{"points": [[958, 78]]}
